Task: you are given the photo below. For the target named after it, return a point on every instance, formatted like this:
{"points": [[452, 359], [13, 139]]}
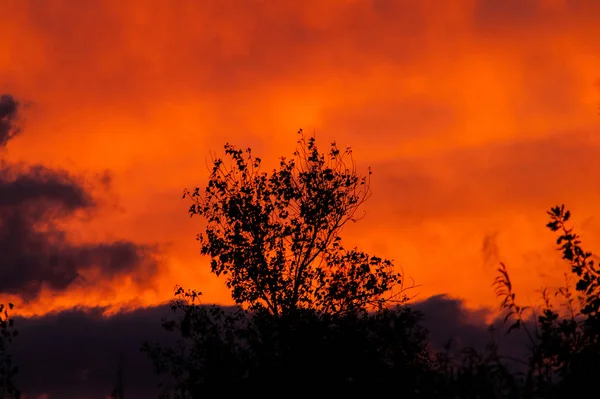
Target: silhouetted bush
{"points": [[261, 353], [7, 366], [564, 351]]}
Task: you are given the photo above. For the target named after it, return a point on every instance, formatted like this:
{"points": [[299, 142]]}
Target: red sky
{"points": [[476, 116]]}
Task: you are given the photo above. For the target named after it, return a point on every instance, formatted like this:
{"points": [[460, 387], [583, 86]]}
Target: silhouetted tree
{"points": [[275, 236], [302, 319]]}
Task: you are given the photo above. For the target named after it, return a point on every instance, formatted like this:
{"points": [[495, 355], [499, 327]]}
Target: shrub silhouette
{"points": [[254, 352], [564, 352], [310, 315], [9, 115], [7, 367]]}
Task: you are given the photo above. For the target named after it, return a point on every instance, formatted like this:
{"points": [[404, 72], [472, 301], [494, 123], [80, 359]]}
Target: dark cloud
{"points": [[74, 353], [8, 114], [36, 251], [57, 189], [447, 319], [489, 249]]}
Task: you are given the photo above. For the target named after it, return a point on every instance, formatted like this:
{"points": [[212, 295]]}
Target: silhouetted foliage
{"points": [[258, 353], [275, 236], [311, 315], [314, 318], [470, 374], [8, 115], [7, 366], [564, 352]]}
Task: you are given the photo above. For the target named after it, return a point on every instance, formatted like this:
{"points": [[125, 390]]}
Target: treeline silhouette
{"points": [[315, 318]]}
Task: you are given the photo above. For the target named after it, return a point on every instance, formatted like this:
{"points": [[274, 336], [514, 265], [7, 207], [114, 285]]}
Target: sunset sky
{"points": [[475, 116]]}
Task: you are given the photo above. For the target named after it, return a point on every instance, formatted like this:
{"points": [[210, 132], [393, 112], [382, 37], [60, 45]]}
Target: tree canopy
{"points": [[275, 236]]}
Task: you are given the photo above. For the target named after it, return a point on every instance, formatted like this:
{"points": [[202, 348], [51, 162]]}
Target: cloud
{"points": [[490, 250], [395, 118], [490, 178], [456, 105], [529, 17], [74, 353], [36, 251], [446, 318], [8, 113], [450, 321]]}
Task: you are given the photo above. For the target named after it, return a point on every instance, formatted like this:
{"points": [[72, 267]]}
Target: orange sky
{"points": [[476, 116]]}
